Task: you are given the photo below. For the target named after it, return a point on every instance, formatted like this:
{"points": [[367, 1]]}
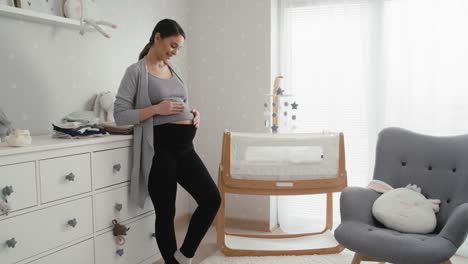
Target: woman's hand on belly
{"points": [[169, 107], [196, 117]]}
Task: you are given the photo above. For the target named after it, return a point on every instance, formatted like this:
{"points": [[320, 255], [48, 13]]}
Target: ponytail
{"points": [[145, 51]]}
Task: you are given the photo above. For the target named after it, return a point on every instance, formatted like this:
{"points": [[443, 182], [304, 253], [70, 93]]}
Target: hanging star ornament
{"points": [[279, 91], [294, 105]]}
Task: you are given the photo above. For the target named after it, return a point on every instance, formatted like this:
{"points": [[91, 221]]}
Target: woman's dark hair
{"points": [[166, 28]]}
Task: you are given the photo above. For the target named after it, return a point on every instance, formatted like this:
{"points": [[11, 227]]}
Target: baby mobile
{"points": [[281, 109]]}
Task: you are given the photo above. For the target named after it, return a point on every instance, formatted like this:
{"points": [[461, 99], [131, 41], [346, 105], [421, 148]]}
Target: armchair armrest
{"points": [[356, 204], [456, 227]]}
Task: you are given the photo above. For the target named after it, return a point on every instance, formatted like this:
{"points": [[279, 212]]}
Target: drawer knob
{"points": [[7, 190], [117, 167], [118, 207], [11, 243], [120, 252], [72, 222], [153, 234], [70, 177]]}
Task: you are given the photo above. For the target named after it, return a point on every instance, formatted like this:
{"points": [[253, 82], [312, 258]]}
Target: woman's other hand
{"points": [[169, 107], [196, 118]]}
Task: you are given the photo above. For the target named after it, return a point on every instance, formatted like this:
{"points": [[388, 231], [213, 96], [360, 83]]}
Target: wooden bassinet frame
{"points": [[228, 184]]}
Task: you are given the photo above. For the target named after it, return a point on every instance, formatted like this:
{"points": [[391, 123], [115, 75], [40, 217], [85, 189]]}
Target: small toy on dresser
{"points": [[104, 107], [19, 138]]}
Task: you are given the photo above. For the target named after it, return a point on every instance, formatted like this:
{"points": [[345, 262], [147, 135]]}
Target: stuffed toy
{"points": [[86, 12], [119, 232], [404, 209], [5, 126], [104, 107], [19, 138]]}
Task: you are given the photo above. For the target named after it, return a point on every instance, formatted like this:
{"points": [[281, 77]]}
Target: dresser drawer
{"points": [[108, 205], [65, 176], [111, 167], [139, 246], [82, 253], [22, 180], [45, 229]]}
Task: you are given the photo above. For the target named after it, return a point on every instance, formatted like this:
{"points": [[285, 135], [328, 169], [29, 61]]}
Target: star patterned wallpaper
{"points": [[229, 47]]}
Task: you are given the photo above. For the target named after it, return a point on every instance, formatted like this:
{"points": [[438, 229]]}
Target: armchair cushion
{"points": [[406, 210]]}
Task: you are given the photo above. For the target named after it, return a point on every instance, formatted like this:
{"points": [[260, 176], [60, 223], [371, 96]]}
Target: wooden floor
{"points": [[208, 246]]}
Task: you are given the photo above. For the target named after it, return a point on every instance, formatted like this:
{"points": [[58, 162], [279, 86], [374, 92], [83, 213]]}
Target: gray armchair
{"points": [[439, 165]]}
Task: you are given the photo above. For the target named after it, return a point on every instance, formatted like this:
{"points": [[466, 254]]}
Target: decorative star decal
{"points": [[293, 117], [294, 105], [274, 128], [279, 91]]}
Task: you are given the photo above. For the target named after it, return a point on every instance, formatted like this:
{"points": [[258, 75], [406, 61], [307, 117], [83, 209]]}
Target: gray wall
{"points": [[229, 67], [49, 71]]}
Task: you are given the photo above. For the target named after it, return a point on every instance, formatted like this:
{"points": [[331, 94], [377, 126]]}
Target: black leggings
{"points": [[175, 161]]}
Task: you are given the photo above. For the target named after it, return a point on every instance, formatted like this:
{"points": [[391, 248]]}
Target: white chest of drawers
{"points": [[65, 195]]}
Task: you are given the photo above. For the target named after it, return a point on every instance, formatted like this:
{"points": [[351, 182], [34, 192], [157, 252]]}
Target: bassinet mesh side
{"points": [[284, 156]]}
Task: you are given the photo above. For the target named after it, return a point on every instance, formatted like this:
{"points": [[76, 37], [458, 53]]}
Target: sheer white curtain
{"points": [[358, 66]]}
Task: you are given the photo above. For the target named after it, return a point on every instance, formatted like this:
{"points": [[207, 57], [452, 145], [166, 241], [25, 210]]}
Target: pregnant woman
{"points": [[153, 98]]}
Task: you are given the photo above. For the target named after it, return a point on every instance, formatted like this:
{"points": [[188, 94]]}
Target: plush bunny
{"points": [[404, 209], [104, 107], [86, 12]]}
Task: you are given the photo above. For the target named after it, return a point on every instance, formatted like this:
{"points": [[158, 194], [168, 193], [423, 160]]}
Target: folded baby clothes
{"points": [[113, 128], [80, 131]]}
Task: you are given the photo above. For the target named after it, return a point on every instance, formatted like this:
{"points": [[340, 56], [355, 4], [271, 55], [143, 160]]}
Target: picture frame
{"points": [[51, 7]]}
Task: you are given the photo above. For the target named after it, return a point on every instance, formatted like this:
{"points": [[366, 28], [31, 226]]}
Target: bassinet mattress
{"points": [[308, 156]]}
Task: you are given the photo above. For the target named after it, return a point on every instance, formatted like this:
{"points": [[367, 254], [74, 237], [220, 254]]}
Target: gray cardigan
{"points": [[131, 97]]}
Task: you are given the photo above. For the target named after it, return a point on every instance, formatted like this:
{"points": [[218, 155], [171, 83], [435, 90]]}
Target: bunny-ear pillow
{"points": [[404, 209]]}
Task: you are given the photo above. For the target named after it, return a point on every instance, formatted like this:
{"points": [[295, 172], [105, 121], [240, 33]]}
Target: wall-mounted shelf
{"points": [[34, 16]]}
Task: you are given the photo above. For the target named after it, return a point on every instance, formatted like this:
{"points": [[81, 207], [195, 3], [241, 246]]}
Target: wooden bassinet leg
{"points": [[329, 219]]}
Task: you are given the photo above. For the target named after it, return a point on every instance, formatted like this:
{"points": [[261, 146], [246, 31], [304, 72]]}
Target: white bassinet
{"points": [[280, 164]]}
